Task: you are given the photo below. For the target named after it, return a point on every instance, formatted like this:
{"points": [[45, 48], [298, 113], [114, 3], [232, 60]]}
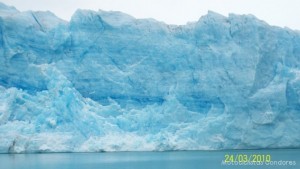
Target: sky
{"points": [[283, 13]]}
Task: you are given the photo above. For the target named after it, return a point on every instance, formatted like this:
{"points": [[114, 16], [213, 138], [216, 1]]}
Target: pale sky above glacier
{"points": [[275, 12]]}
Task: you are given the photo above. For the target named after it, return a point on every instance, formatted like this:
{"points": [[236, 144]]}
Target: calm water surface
{"points": [[147, 160]]}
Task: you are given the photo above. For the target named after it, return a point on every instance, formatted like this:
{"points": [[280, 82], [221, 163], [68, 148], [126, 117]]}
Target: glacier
{"points": [[105, 81]]}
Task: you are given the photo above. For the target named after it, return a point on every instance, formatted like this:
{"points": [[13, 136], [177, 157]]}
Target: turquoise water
{"points": [[151, 160]]}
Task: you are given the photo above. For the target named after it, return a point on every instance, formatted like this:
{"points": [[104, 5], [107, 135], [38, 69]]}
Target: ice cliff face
{"points": [[106, 81]]}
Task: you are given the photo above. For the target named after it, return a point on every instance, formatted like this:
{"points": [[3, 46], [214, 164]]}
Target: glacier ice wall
{"points": [[106, 81]]}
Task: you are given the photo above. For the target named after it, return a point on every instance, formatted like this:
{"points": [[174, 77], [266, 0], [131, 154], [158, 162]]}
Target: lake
{"points": [[270, 159]]}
